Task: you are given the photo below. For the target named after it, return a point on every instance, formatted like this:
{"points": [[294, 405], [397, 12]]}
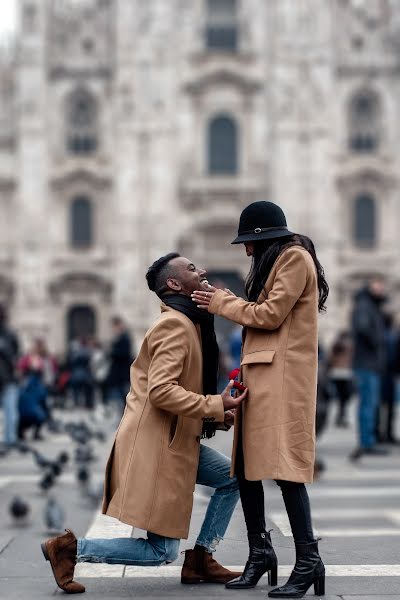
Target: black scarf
{"points": [[210, 350]]}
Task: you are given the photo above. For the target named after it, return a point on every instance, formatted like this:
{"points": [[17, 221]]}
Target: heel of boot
{"points": [[319, 585], [44, 550], [273, 576]]}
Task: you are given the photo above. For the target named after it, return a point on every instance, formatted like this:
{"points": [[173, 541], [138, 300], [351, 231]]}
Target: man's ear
{"points": [[174, 285]]}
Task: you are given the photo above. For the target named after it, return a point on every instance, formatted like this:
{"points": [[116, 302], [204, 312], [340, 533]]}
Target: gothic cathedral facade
{"points": [[131, 128]]}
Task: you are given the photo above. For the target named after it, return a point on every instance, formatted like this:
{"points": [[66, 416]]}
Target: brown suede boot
{"points": [[61, 552], [200, 567]]}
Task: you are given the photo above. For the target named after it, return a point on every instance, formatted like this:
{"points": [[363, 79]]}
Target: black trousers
{"points": [[385, 420], [295, 497], [344, 390]]}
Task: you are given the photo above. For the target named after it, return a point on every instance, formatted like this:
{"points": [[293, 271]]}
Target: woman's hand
{"points": [[203, 299]]}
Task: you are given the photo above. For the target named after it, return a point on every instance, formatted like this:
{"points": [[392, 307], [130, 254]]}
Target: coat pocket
{"points": [[175, 432], [261, 356]]}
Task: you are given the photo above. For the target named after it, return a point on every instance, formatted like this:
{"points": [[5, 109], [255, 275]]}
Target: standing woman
{"points": [[275, 428]]}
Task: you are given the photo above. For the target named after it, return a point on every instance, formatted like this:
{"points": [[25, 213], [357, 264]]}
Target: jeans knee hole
{"points": [[91, 559]]}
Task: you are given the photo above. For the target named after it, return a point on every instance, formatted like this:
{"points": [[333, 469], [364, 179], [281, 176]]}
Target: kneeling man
{"points": [[157, 457]]}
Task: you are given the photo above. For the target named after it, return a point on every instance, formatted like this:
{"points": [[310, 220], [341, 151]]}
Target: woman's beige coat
{"points": [[151, 472], [279, 366]]}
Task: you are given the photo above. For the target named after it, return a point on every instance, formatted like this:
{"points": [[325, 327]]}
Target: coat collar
{"points": [[164, 308]]}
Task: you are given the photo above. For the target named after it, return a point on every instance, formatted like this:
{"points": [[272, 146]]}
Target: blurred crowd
{"points": [[33, 384], [362, 365]]}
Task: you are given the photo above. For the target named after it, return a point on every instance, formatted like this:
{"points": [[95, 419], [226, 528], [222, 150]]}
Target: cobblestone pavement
{"points": [[356, 510]]}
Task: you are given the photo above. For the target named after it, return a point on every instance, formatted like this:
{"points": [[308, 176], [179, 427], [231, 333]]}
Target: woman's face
{"points": [[249, 246]]}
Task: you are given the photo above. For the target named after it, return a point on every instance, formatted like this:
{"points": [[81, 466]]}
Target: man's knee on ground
{"points": [[172, 550]]}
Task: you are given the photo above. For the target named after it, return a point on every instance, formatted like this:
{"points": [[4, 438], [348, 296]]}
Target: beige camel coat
{"points": [[151, 472], [279, 367]]}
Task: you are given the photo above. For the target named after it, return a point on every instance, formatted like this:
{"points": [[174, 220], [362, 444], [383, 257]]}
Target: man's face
{"points": [[185, 277], [116, 328], [377, 287]]}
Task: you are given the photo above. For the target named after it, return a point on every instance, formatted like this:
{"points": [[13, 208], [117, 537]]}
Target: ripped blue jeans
{"points": [[155, 550]]}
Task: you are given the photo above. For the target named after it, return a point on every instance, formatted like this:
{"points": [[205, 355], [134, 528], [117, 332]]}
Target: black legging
{"points": [[344, 389], [295, 497]]}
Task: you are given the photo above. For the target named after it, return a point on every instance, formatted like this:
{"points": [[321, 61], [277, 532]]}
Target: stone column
{"points": [[32, 202]]}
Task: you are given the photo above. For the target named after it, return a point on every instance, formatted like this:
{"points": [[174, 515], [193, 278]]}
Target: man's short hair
{"points": [[159, 272]]}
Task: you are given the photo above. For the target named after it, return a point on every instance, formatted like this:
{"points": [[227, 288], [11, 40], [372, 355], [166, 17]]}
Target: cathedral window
{"points": [[29, 18], [222, 146], [82, 123], [81, 223], [364, 123], [364, 221], [222, 26]]}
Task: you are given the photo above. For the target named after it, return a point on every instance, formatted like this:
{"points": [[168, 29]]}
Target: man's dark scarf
{"points": [[209, 344]]}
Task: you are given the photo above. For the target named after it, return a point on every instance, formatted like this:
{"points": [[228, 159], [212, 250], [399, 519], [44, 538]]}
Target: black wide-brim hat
{"points": [[261, 221]]}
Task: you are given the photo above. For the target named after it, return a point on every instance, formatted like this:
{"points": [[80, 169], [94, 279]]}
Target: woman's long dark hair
{"points": [[266, 253]]}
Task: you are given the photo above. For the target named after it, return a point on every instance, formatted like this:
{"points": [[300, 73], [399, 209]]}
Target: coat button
{"points": [[197, 438]]}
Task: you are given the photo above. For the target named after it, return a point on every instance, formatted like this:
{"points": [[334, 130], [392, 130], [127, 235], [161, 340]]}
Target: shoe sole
{"points": [[242, 587], [198, 581], [291, 595], [44, 550]]}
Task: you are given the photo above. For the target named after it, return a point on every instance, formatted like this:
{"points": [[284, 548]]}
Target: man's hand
{"points": [[229, 418], [229, 402]]}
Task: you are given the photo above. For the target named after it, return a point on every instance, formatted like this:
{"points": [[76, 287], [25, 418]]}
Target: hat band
{"points": [[262, 229]]}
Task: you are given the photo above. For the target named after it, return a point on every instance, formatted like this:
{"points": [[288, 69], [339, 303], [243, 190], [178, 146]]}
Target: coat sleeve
{"points": [[289, 283], [168, 348]]}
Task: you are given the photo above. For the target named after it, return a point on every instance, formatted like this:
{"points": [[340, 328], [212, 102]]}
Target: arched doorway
{"points": [[81, 322]]}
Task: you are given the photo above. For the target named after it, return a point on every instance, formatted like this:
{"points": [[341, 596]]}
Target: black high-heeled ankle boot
{"points": [[309, 569], [262, 558]]}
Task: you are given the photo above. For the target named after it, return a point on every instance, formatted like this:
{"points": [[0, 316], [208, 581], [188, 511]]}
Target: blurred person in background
{"points": [[340, 374], [33, 408], [369, 361], [223, 369], [61, 384], [120, 357], [386, 407], [324, 396], [9, 347], [39, 354], [100, 367], [235, 346], [275, 427], [81, 380]]}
